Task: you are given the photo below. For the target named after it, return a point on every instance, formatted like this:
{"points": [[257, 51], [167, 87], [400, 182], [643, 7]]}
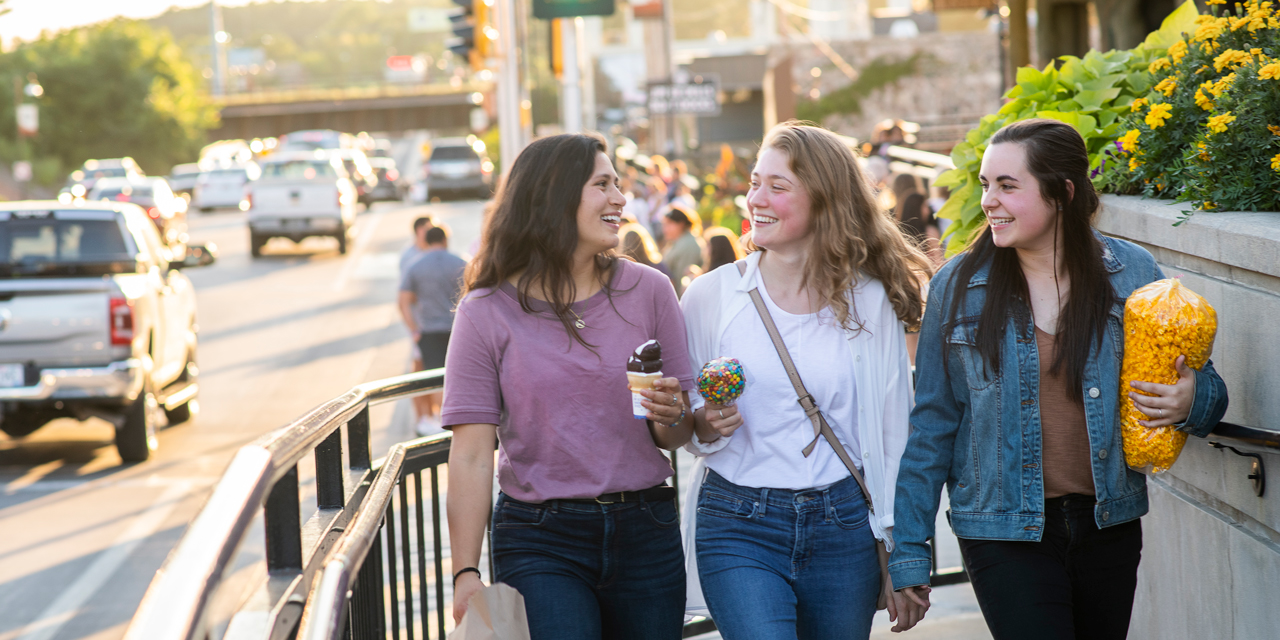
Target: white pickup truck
{"points": [[95, 321], [301, 195]]}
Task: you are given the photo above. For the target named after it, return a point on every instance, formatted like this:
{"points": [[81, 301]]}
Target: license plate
{"points": [[12, 375]]}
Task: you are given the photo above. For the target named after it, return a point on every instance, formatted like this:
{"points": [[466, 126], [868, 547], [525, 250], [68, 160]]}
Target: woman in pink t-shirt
{"points": [[585, 526]]}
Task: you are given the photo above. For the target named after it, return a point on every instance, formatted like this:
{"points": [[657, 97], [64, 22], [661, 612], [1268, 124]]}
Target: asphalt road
{"points": [[83, 534]]}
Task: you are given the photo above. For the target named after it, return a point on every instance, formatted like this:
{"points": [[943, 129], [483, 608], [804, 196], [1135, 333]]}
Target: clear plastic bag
{"points": [[1162, 321]]}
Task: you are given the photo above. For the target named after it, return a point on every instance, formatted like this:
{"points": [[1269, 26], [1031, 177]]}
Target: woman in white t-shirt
{"points": [[785, 545]]}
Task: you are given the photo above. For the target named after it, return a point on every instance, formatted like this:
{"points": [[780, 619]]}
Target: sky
{"points": [[29, 17]]}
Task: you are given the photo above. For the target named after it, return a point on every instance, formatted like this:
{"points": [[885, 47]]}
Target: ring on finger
{"points": [[674, 402], [721, 411]]}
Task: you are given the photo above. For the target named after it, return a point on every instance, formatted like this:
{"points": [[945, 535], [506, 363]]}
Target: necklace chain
{"points": [[579, 323]]}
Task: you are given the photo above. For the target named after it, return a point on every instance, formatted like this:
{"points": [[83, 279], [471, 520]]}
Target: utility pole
{"points": [[218, 36], [509, 94], [571, 75]]}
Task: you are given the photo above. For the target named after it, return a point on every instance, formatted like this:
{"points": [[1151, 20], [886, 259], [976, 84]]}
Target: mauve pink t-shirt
{"points": [[565, 428]]}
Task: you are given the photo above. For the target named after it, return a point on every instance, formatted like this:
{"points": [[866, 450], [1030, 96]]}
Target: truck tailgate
{"points": [[295, 198], [55, 322]]}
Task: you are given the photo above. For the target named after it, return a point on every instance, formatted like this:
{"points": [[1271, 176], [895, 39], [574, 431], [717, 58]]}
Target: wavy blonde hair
{"points": [[852, 238]]}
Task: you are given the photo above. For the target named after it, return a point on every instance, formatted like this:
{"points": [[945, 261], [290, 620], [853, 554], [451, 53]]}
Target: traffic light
{"points": [[473, 35]]}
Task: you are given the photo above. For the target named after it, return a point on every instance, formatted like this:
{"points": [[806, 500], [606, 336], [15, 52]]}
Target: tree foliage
{"points": [[114, 89], [847, 100]]}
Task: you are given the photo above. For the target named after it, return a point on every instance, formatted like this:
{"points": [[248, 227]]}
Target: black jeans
{"points": [[1076, 583]]}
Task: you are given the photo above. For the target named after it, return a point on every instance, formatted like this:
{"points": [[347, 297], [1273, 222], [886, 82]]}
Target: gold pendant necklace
{"points": [[579, 323]]}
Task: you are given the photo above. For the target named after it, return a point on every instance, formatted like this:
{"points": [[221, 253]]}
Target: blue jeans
{"points": [[780, 564], [593, 571]]}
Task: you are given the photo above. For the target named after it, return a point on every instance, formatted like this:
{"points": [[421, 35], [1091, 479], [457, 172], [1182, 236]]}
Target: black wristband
{"points": [[462, 571]]}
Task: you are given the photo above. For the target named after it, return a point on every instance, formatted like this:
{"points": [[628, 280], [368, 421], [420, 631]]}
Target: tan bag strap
{"points": [[820, 427]]}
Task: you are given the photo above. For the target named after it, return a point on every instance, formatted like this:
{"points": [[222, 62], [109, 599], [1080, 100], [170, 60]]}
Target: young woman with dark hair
{"points": [[1017, 403], [786, 534], [584, 526]]}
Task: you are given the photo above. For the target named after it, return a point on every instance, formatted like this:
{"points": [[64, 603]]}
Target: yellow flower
{"points": [[1158, 64], [1242, 21], [1177, 51], [1202, 100], [1223, 83], [1129, 141], [1218, 124], [1230, 58], [1208, 205], [1204, 151], [1275, 131], [1208, 31], [1167, 86], [1134, 163], [1255, 52], [1137, 105], [1216, 1], [1159, 113], [1275, 162], [1270, 71]]}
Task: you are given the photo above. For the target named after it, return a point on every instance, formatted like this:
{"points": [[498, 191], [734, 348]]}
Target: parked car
{"points": [[391, 185], [98, 321], [301, 195], [182, 178], [312, 139], [361, 172], [457, 167], [223, 188], [167, 211], [81, 181]]}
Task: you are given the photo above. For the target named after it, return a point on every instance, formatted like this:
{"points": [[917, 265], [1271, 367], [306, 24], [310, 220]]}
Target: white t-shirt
{"points": [[767, 451]]}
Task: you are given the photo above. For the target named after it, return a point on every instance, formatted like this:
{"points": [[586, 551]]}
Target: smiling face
{"points": [[779, 204], [600, 211], [1019, 216]]}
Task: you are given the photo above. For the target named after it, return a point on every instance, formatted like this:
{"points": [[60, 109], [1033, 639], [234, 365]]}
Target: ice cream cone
{"points": [[638, 381]]}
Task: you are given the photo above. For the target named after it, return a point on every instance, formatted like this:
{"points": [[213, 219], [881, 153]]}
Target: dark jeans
{"points": [[1076, 583], [777, 564], [592, 571]]}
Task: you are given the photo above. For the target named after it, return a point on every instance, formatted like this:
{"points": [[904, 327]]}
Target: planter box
{"points": [[1211, 557]]}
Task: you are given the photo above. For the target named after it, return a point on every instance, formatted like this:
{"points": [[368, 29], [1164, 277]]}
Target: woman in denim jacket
{"points": [[1017, 403]]}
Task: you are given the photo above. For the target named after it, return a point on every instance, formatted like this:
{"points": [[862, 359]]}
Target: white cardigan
{"points": [[882, 372]]}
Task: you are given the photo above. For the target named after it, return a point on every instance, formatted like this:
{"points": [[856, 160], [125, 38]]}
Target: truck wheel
{"points": [[256, 243], [342, 241], [184, 411], [136, 438]]}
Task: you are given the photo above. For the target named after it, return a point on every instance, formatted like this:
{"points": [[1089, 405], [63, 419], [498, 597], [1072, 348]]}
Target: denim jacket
{"points": [[980, 432]]}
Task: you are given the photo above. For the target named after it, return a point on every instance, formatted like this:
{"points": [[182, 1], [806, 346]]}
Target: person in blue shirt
{"points": [[1018, 403]]}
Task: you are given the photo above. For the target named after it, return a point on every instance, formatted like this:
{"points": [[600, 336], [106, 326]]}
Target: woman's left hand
{"points": [[1168, 404], [663, 401]]}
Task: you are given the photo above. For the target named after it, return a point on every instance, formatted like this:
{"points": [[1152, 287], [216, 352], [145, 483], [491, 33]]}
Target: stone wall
{"points": [[959, 80], [1211, 556]]}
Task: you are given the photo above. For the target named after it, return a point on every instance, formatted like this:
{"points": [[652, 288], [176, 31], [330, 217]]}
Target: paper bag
{"points": [[494, 613]]}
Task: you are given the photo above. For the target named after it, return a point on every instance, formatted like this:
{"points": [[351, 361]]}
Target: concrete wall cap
{"points": [[1245, 239]]}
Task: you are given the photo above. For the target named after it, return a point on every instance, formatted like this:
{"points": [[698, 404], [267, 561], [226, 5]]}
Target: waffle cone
{"points": [[637, 381]]}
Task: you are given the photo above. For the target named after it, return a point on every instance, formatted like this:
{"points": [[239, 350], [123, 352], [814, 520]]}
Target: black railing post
{"points": [[283, 518], [406, 552], [329, 489], [358, 440], [436, 547], [424, 604], [393, 579]]}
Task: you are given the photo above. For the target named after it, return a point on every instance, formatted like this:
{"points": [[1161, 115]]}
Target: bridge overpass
{"points": [[388, 109]]}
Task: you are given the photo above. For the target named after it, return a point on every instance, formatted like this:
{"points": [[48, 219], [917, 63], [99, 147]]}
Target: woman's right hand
{"points": [[724, 420], [912, 607], [468, 585]]}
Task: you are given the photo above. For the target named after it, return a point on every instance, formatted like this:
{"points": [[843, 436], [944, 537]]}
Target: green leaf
{"points": [[1181, 21], [951, 178]]}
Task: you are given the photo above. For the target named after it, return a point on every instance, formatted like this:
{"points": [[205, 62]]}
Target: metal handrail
{"points": [[262, 475]]}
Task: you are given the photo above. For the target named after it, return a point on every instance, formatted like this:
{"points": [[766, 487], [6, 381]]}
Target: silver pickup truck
{"points": [[95, 321]]}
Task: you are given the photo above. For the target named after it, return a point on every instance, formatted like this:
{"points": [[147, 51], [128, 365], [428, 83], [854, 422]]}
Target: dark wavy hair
{"points": [[533, 230], [1055, 155]]}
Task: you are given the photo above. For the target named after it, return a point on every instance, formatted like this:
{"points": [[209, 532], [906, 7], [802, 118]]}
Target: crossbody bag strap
{"points": [[820, 427]]}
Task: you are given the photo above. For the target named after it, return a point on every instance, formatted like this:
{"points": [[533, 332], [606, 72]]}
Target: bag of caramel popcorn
{"points": [[1162, 321]]}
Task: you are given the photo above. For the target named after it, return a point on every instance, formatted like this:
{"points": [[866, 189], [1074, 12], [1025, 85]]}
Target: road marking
{"points": [[31, 477], [362, 241], [63, 610]]}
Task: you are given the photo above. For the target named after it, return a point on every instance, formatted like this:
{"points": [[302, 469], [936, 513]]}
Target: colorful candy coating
{"points": [[721, 381]]}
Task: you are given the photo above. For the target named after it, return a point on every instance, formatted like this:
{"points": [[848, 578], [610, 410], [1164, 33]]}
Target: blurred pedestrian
{"points": [[585, 526], [787, 520], [683, 248], [721, 247], [422, 405], [638, 245], [428, 293], [1018, 403], [914, 216]]}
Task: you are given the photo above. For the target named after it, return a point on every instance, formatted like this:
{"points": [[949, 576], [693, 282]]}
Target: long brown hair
{"points": [[1055, 154], [851, 236], [533, 230]]}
